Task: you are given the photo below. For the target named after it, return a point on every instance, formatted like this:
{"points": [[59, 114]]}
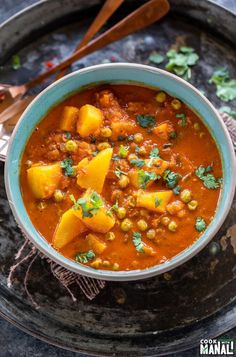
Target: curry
{"points": [[121, 177]]}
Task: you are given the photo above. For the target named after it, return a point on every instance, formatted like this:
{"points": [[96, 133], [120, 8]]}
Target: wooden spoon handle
{"points": [[109, 7], [144, 16]]}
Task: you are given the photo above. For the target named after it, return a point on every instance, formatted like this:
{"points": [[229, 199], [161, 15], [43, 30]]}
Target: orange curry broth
{"points": [[188, 151]]}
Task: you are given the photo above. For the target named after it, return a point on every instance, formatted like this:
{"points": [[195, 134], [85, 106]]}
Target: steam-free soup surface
{"points": [[121, 177]]}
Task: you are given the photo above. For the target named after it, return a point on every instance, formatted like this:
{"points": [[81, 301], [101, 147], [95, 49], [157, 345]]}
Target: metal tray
{"points": [[154, 317]]}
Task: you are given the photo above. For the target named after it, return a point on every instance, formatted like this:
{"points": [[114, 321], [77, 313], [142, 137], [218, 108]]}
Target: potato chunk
{"points": [[154, 201], [69, 118], [92, 174], [163, 131], [96, 244], [90, 120], [67, 229], [121, 128], [44, 179], [99, 221]]}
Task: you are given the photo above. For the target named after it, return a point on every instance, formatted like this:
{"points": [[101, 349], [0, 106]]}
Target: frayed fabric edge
{"points": [[89, 287]]}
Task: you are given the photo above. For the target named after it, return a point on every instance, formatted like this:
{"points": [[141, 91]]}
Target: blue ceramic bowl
{"points": [[118, 73]]}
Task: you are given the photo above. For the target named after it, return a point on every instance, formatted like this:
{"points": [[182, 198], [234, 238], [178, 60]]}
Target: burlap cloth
{"points": [[27, 255]]}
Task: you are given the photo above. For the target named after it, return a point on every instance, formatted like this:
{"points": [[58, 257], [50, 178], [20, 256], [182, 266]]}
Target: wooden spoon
{"points": [[144, 16], [11, 112]]}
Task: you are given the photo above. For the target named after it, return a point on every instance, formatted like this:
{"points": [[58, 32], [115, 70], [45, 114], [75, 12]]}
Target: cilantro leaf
{"points": [[157, 201], [84, 257], [137, 149], [225, 87], [67, 135], [146, 120], [89, 206], [119, 172], [227, 91], [200, 224], [171, 178], [220, 75], [137, 241], [154, 153], [209, 180], [156, 57], [144, 177], [123, 151], [137, 162], [228, 110], [176, 190], [96, 202], [113, 208], [185, 49], [180, 62], [183, 119], [173, 135], [66, 165], [15, 62], [115, 158]]}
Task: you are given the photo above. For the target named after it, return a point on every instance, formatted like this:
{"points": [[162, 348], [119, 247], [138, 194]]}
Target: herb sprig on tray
{"points": [[225, 87], [181, 62]]}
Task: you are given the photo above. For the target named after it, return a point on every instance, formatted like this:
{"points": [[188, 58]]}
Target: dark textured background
{"points": [[12, 341]]}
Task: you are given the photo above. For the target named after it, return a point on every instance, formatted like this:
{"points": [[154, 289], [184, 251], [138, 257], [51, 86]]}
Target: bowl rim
{"points": [[130, 275]]}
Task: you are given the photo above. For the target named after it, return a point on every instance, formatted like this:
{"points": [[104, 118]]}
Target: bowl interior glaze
{"points": [[118, 73]]}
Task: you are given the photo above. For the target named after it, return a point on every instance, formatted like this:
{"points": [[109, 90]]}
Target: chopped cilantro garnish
{"points": [[113, 208], [154, 154], [200, 224], [115, 158], [180, 62], [208, 179], [157, 201], [183, 118], [137, 241], [171, 178], [219, 76], [146, 120], [228, 111], [173, 135], [156, 58], [225, 87], [84, 257], [89, 206], [138, 162], [15, 62], [144, 177], [123, 151], [96, 202], [137, 149], [119, 172], [66, 165], [92, 139], [176, 190], [67, 135]]}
